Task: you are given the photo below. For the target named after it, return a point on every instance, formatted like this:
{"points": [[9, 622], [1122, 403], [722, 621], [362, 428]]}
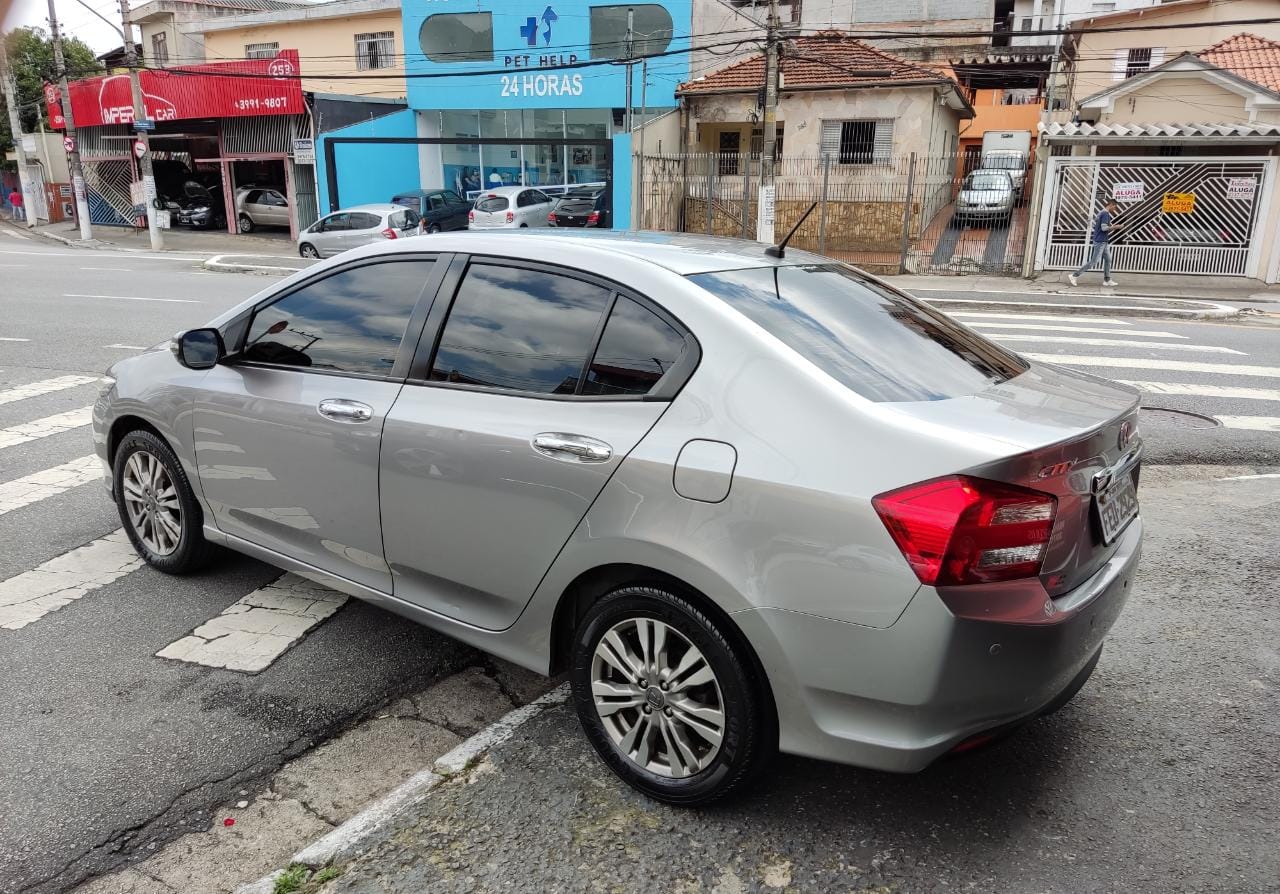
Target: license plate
{"points": [[1117, 506]]}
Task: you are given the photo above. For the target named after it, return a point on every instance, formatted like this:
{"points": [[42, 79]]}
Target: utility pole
{"points": [[140, 114], [631, 52], [73, 154], [769, 142], [15, 125]]}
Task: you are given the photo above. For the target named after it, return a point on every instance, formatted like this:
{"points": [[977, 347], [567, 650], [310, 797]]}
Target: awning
{"points": [[1086, 132]]}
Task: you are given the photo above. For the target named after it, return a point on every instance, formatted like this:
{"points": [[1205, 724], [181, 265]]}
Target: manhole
{"points": [[1176, 418]]}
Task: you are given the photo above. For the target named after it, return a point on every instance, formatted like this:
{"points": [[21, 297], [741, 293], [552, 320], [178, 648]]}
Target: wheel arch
{"points": [[595, 583], [129, 423]]}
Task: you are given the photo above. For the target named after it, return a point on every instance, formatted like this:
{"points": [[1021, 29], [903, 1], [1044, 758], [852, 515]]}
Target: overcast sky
{"points": [[76, 21]]}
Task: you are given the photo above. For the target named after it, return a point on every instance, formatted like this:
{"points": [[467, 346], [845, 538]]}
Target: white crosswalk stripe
{"points": [[1116, 343], [43, 428], [30, 596], [1252, 423], [1229, 369], [1196, 390], [1049, 318], [1127, 333], [44, 386], [48, 483]]}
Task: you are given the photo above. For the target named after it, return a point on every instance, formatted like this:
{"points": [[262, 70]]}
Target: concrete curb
{"points": [[347, 839], [220, 264]]}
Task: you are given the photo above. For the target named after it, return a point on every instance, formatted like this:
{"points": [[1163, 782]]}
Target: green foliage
{"points": [[328, 874], [31, 58], [290, 880]]}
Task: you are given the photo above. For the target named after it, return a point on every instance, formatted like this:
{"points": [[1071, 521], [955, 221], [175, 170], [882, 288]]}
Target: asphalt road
{"points": [[110, 750]]}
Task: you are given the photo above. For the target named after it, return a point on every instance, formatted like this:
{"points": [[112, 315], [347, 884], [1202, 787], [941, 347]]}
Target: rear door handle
{"points": [[342, 410], [573, 448]]}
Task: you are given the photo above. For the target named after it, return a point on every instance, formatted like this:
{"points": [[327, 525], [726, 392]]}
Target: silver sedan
{"points": [[747, 502]]}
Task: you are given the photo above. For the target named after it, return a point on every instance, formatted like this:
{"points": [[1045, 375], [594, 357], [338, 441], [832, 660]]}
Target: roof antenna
{"points": [[780, 250]]}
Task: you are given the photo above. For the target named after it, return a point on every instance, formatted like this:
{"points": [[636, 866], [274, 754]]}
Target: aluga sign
{"points": [[538, 54]]}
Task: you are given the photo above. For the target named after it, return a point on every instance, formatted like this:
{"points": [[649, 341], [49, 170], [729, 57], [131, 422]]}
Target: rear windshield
{"points": [[492, 203], [880, 343]]}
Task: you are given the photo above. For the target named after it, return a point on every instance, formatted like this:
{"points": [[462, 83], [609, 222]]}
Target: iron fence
{"points": [[890, 216]]}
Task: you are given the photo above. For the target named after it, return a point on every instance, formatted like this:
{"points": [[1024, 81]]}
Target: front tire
{"points": [[667, 699], [157, 505], [245, 224], [307, 250]]}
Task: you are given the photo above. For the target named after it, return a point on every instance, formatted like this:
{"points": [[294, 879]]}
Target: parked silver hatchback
{"points": [[747, 502], [359, 225]]}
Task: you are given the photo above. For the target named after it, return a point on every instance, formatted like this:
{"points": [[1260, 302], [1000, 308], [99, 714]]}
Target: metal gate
{"points": [[1184, 215]]}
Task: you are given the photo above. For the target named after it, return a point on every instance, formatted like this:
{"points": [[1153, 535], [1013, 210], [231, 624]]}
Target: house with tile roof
{"points": [[837, 96]]}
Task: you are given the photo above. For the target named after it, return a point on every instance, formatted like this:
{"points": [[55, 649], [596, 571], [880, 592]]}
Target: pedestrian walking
{"points": [[15, 204], [1100, 244]]}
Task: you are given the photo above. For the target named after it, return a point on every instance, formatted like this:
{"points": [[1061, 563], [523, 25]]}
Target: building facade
{"points": [[503, 94]]}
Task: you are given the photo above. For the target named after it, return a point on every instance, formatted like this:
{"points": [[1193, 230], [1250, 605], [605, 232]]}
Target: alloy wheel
{"points": [[657, 697], [151, 499]]}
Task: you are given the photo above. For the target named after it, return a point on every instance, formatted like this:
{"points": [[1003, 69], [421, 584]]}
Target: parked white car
{"points": [[511, 207], [335, 233]]}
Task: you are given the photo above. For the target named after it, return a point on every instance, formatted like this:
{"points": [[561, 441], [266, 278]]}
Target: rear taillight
{"points": [[471, 216], [593, 218], [511, 218], [388, 233], [962, 530], [551, 218]]}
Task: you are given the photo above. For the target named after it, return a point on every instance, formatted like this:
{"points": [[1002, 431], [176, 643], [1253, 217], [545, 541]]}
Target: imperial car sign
{"points": [[218, 90]]}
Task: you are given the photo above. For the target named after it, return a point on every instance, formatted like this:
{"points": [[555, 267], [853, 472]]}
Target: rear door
{"points": [[541, 381], [287, 435]]}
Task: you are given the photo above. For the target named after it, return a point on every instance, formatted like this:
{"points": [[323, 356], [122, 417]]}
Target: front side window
{"points": [[637, 348], [261, 50], [879, 343], [375, 50], [651, 30], [352, 321], [335, 222], [458, 37], [518, 329]]}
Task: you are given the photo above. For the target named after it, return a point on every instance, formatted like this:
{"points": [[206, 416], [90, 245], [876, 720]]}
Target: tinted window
{"points": [[336, 222], [253, 196], [458, 37], [435, 202], [637, 347], [539, 197], [519, 329], [453, 198], [492, 203], [651, 26], [351, 322], [880, 343], [406, 201], [361, 220]]}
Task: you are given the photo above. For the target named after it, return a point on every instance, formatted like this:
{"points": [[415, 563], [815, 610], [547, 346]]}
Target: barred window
{"points": [[858, 142], [261, 50], [375, 50], [160, 49]]}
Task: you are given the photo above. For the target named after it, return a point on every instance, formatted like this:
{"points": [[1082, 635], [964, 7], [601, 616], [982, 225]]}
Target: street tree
{"points": [[31, 58]]}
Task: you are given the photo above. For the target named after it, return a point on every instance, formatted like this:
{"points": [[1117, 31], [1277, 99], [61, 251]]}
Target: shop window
{"points": [[858, 142], [375, 50], [160, 49], [458, 37], [261, 50], [651, 30]]}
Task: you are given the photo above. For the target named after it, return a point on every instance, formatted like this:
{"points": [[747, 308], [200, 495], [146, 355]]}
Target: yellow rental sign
{"points": [[1178, 203]]}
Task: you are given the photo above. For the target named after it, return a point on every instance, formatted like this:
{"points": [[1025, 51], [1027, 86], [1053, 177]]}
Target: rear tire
{"points": [[434, 228], [157, 505], [692, 723]]}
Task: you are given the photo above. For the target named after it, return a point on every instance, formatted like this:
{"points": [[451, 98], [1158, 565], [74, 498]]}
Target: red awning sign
{"points": [[243, 88]]}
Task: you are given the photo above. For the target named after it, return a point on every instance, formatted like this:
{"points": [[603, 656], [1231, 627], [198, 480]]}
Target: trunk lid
{"points": [[1063, 429]]}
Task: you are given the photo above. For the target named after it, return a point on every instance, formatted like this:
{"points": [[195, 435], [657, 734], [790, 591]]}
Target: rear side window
{"points": [[352, 321], [524, 330], [880, 343], [361, 220], [636, 349], [492, 203]]}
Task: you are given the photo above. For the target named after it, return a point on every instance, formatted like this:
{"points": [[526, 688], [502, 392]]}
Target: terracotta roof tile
{"points": [[1251, 57], [829, 59]]}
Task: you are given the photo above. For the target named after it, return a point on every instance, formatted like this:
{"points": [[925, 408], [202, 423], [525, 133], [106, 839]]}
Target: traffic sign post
{"points": [[139, 148]]}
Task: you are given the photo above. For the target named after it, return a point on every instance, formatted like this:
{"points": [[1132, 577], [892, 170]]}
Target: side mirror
{"points": [[199, 348]]}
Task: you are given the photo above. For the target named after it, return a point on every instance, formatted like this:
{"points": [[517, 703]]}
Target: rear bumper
{"points": [[900, 697]]}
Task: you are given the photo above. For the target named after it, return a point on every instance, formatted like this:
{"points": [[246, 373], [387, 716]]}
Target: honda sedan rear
{"points": [[747, 502]]}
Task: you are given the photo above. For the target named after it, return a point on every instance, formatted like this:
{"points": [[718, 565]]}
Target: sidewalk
{"points": [[267, 243]]}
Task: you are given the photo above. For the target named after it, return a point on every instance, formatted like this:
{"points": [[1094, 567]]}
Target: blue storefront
{"points": [[504, 93]]}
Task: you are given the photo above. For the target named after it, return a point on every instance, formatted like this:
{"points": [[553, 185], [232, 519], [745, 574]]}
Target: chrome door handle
{"points": [[575, 448], [341, 410]]}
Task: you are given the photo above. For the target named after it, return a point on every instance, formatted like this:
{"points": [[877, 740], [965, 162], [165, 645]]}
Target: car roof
{"points": [[681, 253], [504, 190], [421, 192], [373, 207]]}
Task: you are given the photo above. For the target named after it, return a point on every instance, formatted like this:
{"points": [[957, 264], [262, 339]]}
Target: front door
{"points": [[492, 459], [287, 436]]}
